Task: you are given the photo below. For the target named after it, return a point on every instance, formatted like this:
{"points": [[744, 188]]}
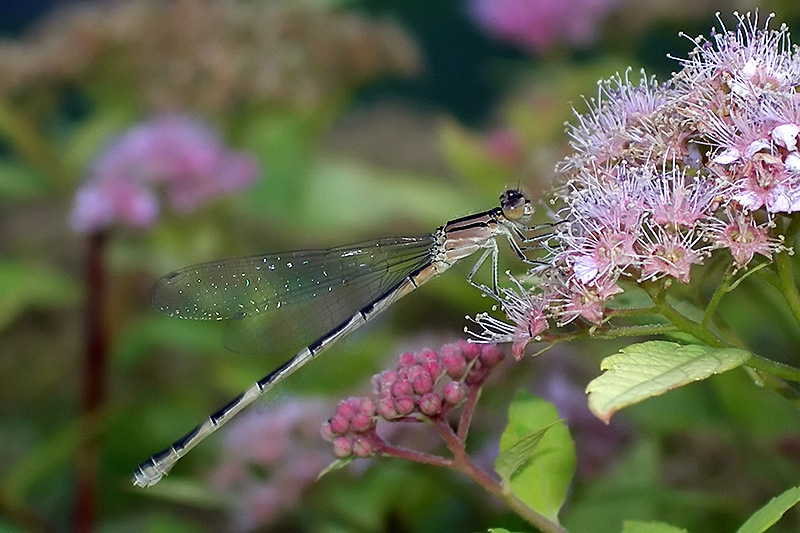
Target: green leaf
{"points": [[285, 141], [765, 517], [21, 182], [648, 369], [510, 460], [336, 465], [633, 526], [171, 523], [537, 455], [42, 459], [27, 285], [336, 180], [151, 332]]}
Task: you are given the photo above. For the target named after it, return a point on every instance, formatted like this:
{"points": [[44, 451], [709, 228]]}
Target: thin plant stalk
{"points": [[93, 389]]}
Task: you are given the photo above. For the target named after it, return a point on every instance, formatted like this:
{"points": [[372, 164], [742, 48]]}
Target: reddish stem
{"points": [[94, 372], [466, 414], [417, 457], [462, 463]]}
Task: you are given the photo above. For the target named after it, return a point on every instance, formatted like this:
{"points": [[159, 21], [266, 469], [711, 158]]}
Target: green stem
{"points": [[762, 364], [771, 277], [635, 331], [717, 298], [631, 311], [788, 287], [696, 329], [792, 229], [778, 385], [700, 332]]}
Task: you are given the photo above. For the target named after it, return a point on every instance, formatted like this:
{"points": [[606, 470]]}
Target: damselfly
{"points": [[349, 286]]}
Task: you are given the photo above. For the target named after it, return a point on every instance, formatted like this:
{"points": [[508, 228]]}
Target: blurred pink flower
{"points": [[178, 155], [536, 25], [271, 458], [506, 146], [597, 444]]}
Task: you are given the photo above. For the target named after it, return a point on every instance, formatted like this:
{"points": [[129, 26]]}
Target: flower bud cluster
{"points": [[425, 384]]}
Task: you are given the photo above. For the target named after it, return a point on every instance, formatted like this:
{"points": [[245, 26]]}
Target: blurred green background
{"points": [[367, 119]]}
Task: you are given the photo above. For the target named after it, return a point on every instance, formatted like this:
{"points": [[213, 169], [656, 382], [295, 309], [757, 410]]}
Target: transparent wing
{"points": [[269, 299]]}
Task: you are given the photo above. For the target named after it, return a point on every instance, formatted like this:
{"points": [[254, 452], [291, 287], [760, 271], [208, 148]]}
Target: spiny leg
{"points": [[491, 249]]}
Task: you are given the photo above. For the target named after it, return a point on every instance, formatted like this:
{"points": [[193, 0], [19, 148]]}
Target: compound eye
{"points": [[514, 204]]}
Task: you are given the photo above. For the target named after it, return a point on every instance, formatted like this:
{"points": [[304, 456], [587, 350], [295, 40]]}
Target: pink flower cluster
{"points": [[664, 176], [742, 94], [271, 458], [177, 155], [425, 385], [536, 25]]}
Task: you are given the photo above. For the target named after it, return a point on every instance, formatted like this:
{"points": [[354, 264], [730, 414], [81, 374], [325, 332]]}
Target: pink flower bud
{"points": [[491, 355], [402, 387], [449, 350], [455, 392], [434, 368], [361, 423], [404, 405], [386, 409], [362, 448], [339, 425], [470, 350], [347, 408], [342, 448], [430, 404], [406, 359], [381, 383], [422, 383], [367, 407], [427, 355], [454, 363], [326, 432]]}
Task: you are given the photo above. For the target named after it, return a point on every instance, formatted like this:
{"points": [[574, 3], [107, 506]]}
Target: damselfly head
{"points": [[515, 204]]}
